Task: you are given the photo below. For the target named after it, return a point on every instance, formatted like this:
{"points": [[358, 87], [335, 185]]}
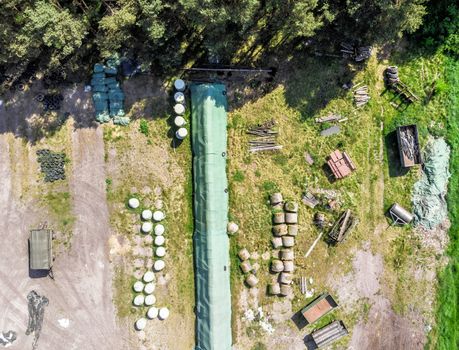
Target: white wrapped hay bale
{"points": [[276, 242], [159, 240], [179, 121], [133, 203], [179, 85], [232, 228], [287, 254], [276, 198], [179, 97], [163, 313], [149, 288], [280, 230], [288, 266], [251, 280], [274, 289], [246, 266], [159, 265], [291, 218], [150, 300], [285, 278], [277, 266], [139, 300], [152, 312], [292, 230], [243, 254], [288, 241], [140, 324], [179, 109], [149, 276], [158, 215], [147, 227], [159, 230], [160, 252], [279, 217], [138, 286], [147, 214], [181, 133], [291, 207]]}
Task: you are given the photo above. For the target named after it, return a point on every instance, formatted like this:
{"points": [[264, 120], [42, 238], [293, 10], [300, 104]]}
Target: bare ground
{"points": [[82, 290]]}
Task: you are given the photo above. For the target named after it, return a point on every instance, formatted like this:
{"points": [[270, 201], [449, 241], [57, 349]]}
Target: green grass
{"points": [[448, 293], [61, 207]]}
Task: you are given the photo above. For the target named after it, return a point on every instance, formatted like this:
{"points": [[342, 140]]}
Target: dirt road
{"points": [[80, 314]]}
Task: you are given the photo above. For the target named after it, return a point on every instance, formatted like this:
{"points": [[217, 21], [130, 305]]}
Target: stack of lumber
{"points": [[263, 137], [342, 227], [361, 96], [340, 164]]}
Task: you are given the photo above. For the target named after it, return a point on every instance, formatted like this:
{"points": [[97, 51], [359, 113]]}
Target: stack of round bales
{"points": [[179, 109], [285, 229], [251, 280]]}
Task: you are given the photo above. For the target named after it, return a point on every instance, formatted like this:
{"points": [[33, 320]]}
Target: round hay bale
{"points": [[138, 286], [149, 288], [158, 215], [276, 198], [232, 228], [291, 207], [276, 242], [147, 214], [255, 267], [246, 266], [181, 133], [286, 254], [179, 97], [139, 300], [274, 288], [243, 254], [147, 227], [292, 230], [152, 312], [288, 241], [288, 266], [149, 276], [285, 290], [179, 85], [280, 230], [179, 109], [133, 203], [179, 121], [150, 300], [277, 266], [279, 217], [163, 313], [285, 278], [291, 218], [140, 324], [159, 240], [160, 252], [251, 280], [159, 265], [159, 230]]}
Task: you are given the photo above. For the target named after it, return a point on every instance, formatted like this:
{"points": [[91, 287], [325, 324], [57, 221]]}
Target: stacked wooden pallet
{"points": [[264, 137]]}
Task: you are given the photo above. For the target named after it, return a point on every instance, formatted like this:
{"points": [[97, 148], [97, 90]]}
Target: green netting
{"points": [[211, 245], [429, 204]]}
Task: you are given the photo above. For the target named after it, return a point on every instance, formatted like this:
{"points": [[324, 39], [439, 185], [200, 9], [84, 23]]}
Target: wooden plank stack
{"points": [[361, 96], [264, 137]]}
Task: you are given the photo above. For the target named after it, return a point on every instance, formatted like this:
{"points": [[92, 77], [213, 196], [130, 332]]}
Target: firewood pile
{"points": [[357, 53], [330, 118], [361, 96], [342, 227], [263, 137]]}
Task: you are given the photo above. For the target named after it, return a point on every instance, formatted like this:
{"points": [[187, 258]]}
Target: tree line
{"points": [[165, 34]]}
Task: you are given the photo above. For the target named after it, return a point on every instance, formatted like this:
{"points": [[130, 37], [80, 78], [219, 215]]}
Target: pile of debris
{"points": [[408, 145], [36, 304], [340, 229], [263, 137], [51, 102], [357, 53], [340, 164], [361, 96], [7, 338], [107, 94], [429, 203], [51, 164], [248, 268], [394, 83], [285, 229]]}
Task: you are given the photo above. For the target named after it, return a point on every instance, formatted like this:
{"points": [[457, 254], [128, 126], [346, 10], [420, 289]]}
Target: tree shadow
{"points": [[299, 320], [309, 342]]}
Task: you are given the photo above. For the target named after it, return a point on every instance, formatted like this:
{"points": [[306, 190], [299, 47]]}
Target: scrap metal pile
{"points": [[7, 338], [263, 137], [357, 53], [408, 143], [51, 164], [394, 83], [51, 102], [36, 304]]}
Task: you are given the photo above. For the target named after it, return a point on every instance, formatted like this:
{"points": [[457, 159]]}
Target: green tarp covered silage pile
{"points": [[107, 95], [211, 244]]}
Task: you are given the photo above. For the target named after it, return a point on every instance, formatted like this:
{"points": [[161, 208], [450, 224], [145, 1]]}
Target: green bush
{"points": [[143, 128]]}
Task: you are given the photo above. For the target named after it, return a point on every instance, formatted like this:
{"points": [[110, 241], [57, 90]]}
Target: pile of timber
{"points": [[342, 227], [328, 334], [394, 83], [263, 137], [357, 53], [361, 96], [285, 229], [331, 118]]}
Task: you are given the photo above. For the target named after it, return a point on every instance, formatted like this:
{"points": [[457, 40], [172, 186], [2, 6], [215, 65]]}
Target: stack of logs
{"points": [[247, 268], [263, 137], [285, 229], [361, 96], [357, 53]]}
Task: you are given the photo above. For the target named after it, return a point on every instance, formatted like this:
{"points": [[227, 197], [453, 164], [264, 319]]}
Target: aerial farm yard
{"points": [[296, 195]]}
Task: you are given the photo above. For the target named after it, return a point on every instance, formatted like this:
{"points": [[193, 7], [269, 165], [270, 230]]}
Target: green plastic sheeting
{"points": [[211, 244]]}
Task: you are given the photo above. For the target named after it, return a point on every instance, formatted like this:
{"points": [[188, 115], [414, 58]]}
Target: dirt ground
{"points": [[80, 314]]}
